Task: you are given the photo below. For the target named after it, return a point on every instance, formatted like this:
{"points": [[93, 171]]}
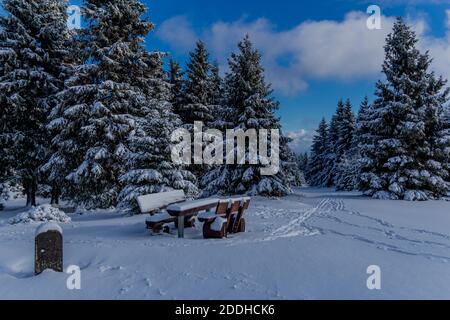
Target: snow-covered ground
{"points": [[314, 244]]}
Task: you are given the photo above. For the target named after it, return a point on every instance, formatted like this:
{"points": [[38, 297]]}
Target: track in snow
{"points": [[336, 219]]}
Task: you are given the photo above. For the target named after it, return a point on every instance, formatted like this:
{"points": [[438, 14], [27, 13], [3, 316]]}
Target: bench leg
{"points": [[180, 227]]}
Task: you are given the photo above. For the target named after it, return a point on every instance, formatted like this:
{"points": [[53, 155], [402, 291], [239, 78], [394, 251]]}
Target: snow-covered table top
{"points": [[202, 204]]}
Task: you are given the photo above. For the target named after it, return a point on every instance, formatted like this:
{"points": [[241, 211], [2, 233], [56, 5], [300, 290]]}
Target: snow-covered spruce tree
{"points": [[404, 160], [175, 78], [217, 85], [317, 159], [221, 112], [442, 152], [437, 122], [326, 178], [4, 167], [365, 140], [340, 135], [302, 160], [198, 88], [290, 163], [346, 129], [107, 103], [348, 169], [98, 110], [252, 107], [3, 194], [290, 167], [347, 173], [149, 163], [32, 38], [5, 153], [198, 103], [362, 136]]}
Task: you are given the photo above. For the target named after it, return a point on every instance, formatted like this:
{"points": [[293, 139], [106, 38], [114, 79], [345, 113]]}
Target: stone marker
{"points": [[48, 248]]}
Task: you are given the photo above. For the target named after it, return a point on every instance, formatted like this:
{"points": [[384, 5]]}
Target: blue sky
{"points": [[314, 52]]}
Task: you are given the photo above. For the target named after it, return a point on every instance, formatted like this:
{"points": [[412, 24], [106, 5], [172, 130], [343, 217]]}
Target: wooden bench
{"points": [[177, 210], [157, 222], [228, 218], [219, 217], [185, 209], [153, 203]]}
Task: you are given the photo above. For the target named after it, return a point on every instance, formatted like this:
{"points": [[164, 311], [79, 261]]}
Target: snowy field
{"points": [[314, 244]]}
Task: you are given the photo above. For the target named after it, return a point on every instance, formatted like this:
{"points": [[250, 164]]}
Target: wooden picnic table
{"points": [[190, 208]]}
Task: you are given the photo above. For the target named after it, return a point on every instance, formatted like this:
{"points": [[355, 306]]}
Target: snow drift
{"points": [[43, 213]]}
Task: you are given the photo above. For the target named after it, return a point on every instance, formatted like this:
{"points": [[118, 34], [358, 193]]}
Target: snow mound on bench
{"points": [[159, 217], [43, 213], [217, 225]]}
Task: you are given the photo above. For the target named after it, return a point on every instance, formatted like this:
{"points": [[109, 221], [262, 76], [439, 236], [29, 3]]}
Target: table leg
{"points": [[180, 227]]}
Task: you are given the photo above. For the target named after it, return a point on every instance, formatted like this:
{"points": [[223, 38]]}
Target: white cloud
{"points": [[338, 50], [342, 50], [447, 13], [301, 140], [313, 49], [439, 49], [178, 32]]}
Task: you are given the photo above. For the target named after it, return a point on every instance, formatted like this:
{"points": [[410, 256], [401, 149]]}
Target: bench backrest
{"points": [[246, 203], [222, 207], [232, 206], [152, 202]]}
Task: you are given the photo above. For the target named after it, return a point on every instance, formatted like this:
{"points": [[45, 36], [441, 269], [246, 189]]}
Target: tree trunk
{"points": [[31, 188], [55, 195], [33, 193], [27, 192]]}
